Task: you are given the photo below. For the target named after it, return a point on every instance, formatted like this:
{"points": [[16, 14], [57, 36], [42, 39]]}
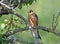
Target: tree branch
{"points": [[9, 33], [5, 5]]}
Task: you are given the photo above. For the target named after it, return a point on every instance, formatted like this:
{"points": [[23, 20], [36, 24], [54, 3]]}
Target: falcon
{"points": [[33, 22]]}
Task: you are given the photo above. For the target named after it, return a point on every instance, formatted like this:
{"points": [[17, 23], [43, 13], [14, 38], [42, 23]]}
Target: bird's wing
{"points": [[36, 17]]}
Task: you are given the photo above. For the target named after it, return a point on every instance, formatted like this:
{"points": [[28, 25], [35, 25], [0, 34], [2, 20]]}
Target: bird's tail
{"points": [[38, 34], [39, 37]]}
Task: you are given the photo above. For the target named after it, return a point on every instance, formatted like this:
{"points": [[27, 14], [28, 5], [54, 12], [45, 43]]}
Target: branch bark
{"points": [[9, 33], [5, 5]]}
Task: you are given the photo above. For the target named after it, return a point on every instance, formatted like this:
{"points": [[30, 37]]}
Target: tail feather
{"points": [[38, 34], [39, 37]]}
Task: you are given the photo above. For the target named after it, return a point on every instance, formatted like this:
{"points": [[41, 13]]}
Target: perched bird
{"points": [[33, 22]]}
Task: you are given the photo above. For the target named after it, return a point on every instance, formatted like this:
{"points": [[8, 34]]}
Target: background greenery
{"points": [[45, 10]]}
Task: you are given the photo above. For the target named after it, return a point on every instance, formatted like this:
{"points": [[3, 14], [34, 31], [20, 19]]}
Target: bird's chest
{"points": [[32, 21]]}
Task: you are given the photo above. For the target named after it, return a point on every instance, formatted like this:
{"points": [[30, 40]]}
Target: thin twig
{"points": [[56, 21], [53, 22], [57, 18]]}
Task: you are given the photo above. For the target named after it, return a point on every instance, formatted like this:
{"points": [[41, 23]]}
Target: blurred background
{"points": [[45, 9]]}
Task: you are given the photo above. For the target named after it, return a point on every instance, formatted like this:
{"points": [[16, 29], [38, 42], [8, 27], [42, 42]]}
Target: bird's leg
{"points": [[38, 34]]}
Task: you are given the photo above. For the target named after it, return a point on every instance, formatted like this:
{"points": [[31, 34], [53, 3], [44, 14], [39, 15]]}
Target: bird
{"points": [[33, 22]]}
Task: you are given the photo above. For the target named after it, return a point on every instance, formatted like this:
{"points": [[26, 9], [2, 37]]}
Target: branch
{"points": [[5, 5], [58, 34], [9, 33], [21, 41], [43, 28]]}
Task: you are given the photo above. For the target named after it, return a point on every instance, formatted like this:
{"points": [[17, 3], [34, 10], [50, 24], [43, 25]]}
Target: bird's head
{"points": [[30, 12]]}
